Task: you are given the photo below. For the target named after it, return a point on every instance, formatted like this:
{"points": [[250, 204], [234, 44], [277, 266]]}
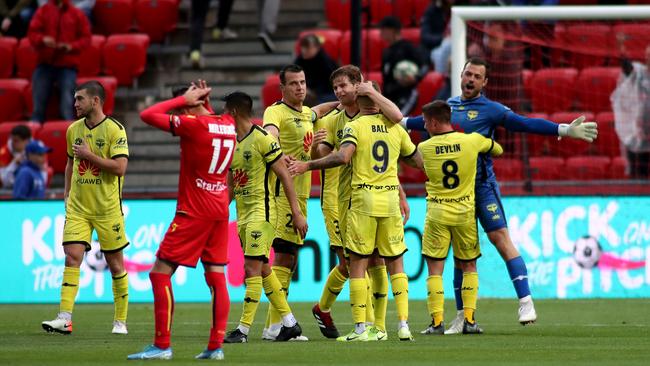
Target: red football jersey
{"points": [[207, 146]]}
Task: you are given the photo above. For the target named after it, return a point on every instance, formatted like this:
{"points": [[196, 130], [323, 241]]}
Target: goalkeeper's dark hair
{"points": [[478, 62], [94, 89], [289, 68], [179, 90], [438, 110]]}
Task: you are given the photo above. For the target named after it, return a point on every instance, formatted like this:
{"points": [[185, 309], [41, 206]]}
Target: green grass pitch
{"points": [[570, 332]]}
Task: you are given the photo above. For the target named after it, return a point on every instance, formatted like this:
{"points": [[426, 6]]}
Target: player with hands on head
{"points": [[197, 230]]}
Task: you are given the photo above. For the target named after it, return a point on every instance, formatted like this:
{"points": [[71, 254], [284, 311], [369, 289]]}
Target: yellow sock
{"points": [[333, 286], [251, 300], [435, 298], [400, 285], [469, 293], [370, 308], [379, 280], [69, 288], [283, 275], [121, 296], [273, 291], [358, 297]]}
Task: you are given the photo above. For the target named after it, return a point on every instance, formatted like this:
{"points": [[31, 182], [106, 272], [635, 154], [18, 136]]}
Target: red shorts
{"points": [[189, 238]]}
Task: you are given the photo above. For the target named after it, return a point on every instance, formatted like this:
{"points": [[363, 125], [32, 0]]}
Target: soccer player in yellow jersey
{"points": [[97, 158], [372, 144], [449, 160], [256, 155], [346, 82], [289, 121]]}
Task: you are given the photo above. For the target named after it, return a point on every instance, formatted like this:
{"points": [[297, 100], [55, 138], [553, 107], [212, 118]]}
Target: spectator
{"points": [[86, 6], [13, 154], [318, 66], [59, 32], [268, 13], [401, 91], [15, 16], [197, 25], [30, 183], [631, 106], [434, 26]]}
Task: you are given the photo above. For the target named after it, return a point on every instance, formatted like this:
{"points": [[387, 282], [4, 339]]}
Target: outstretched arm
{"points": [[578, 129], [299, 221], [338, 158], [157, 115]]}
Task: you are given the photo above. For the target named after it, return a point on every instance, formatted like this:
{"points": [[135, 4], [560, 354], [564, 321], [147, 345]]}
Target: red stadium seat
{"points": [[594, 86], [26, 59], [7, 55], [508, 169], [12, 102], [90, 63], [538, 145], [110, 87], [607, 142], [569, 147], [156, 18], [403, 9], [125, 56], [337, 13], [5, 128], [637, 38], [329, 39], [371, 49], [113, 16], [271, 90], [590, 44], [412, 35], [419, 7], [588, 167], [553, 89], [427, 90], [375, 76], [527, 78], [53, 135], [379, 9], [619, 167], [409, 174], [546, 168]]}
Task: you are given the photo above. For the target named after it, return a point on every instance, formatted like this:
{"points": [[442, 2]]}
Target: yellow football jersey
{"points": [[329, 178], [95, 193], [250, 169], [296, 135], [450, 164], [379, 144], [335, 125]]}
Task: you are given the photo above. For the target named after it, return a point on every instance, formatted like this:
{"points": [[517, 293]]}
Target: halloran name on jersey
{"points": [[221, 129], [380, 128], [447, 149]]}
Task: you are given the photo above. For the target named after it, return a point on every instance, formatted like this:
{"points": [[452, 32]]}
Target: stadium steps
{"points": [[240, 64]]}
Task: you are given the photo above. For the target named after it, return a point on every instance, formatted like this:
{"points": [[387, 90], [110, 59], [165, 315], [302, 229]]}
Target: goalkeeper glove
{"points": [[579, 129]]}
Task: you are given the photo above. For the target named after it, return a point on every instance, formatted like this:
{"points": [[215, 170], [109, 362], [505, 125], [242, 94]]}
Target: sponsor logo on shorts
{"points": [[492, 207], [116, 228], [256, 234], [496, 217], [118, 238]]}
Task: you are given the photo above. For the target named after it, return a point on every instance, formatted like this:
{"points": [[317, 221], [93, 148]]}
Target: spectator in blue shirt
{"points": [[30, 183]]}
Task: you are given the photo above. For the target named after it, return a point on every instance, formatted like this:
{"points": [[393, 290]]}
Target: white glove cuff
{"points": [[563, 130], [403, 122]]}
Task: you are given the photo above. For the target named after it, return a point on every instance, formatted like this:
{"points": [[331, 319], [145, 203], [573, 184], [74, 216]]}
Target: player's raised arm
{"points": [[157, 114], [324, 108], [388, 108], [298, 218], [341, 157]]}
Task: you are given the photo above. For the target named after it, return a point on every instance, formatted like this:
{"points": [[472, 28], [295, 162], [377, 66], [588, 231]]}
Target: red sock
{"points": [[220, 308], [163, 303]]}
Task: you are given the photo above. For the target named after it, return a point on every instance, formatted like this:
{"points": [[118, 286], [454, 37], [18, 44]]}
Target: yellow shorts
{"points": [[344, 208], [110, 232], [284, 225], [439, 237], [333, 226], [256, 238], [366, 233]]}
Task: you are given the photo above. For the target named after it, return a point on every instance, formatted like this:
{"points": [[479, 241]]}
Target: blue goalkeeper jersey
{"points": [[483, 115]]}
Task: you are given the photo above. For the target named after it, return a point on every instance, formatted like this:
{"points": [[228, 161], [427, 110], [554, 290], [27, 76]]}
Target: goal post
{"points": [[461, 15]]}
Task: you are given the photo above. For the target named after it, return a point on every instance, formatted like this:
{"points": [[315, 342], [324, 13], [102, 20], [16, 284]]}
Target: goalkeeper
{"points": [[473, 112]]}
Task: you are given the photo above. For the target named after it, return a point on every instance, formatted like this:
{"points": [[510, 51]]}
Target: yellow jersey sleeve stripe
{"points": [[274, 160], [120, 156]]}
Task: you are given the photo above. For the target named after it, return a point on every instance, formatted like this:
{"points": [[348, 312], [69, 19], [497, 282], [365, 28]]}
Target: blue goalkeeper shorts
{"points": [[489, 209]]}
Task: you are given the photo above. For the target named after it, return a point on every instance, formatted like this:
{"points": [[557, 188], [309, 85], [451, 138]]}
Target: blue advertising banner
{"points": [[575, 247]]}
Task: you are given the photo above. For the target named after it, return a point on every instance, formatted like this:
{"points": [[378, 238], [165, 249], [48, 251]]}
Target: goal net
{"points": [[559, 63]]}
